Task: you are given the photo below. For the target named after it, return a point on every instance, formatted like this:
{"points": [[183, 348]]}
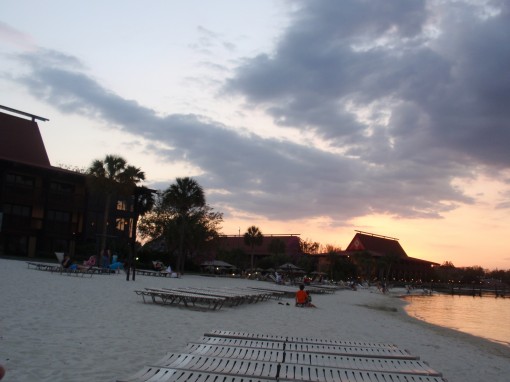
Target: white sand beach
{"points": [[55, 327]]}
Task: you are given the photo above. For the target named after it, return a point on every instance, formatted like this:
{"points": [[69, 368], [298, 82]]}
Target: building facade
{"points": [[46, 209], [383, 258]]}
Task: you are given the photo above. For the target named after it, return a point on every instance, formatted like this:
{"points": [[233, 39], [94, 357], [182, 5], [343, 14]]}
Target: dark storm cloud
{"points": [[446, 94], [431, 112]]}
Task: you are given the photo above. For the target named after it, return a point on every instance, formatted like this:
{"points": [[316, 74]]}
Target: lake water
{"points": [[486, 317]]}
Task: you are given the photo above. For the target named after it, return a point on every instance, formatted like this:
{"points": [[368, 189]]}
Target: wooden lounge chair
{"points": [[50, 267], [234, 366], [255, 354], [310, 359], [380, 352], [377, 352], [247, 343], [232, 296], [360, 363], [303, 340], [260, 357], [323, 374], [168, 297], [153, 374]]}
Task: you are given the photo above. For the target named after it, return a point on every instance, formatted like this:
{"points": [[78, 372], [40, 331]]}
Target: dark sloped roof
{"points": [[374, 243], [21, 141], [229, 243]]}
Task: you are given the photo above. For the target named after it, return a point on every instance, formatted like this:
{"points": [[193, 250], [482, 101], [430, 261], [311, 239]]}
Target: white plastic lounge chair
{"points": [[275, 358], [60, 256]]}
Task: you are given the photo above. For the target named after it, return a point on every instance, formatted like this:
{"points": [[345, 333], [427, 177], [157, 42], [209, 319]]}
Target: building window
{"points": [[58, 221], [121, 224], [121, 205], [17, 210], [59, 216], [16, 216], [62, 188], [20, 180]]}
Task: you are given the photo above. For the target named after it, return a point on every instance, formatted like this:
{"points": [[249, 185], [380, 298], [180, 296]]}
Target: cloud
{"points": [[15, 37], [401, 98], [437, 70]]}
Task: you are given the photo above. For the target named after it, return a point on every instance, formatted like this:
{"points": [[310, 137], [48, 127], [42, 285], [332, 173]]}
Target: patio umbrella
{"points": [[289, 267]]}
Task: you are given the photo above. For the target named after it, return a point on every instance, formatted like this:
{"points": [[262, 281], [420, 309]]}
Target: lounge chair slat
{"points": [[160, 374], [322, 374], [361, 363]]}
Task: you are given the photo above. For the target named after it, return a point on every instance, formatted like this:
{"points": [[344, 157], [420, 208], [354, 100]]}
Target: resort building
{"points": [[46, 209], [383, 258]]}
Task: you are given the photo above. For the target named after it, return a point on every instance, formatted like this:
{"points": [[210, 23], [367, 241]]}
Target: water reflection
{"points": [[484, 317]]}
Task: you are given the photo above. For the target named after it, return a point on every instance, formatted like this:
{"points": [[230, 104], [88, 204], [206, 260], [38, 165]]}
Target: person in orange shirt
{"points": [[303, 298]]}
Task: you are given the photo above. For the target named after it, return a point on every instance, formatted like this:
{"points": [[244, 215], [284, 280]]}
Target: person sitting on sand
{"points": [[303, 299], [158, 266], [90, 262], [67, 263]]}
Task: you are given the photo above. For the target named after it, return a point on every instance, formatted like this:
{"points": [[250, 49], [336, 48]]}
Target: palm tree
{"points": [[143, 202], [253, 237], [111, 175], [183, 198]]}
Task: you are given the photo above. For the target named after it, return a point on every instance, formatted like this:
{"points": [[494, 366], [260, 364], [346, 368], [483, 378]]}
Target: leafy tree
{"points": [[143, 202], [309, 247], [386, 264], [253, 237], [472, 274], [184, 199], [236, 257], [113, 175], [183, 219]]}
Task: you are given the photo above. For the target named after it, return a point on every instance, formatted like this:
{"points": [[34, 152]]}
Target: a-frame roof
{"points": [[381, 245], [21, 141]]}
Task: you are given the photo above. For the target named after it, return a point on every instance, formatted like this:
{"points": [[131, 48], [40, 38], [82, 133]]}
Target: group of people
{"points": [[108, 262]]}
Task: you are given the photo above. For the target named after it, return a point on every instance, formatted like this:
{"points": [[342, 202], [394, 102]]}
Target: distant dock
{"points": [[476, 290]]}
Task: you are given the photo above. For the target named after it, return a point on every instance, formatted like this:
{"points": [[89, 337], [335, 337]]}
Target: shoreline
{"points": [[498, 348], [62, 328]]}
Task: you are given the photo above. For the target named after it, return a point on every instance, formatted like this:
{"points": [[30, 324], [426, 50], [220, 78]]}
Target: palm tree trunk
{"points": [[105, 228], [132, 248], [180, 257]]}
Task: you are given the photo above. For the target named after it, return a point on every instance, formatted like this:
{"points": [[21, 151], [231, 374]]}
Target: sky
{"points": [[315, 118]]}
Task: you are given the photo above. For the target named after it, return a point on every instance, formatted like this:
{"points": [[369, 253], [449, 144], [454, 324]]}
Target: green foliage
{"points": [[253, 237], [274, 261], [182, 217], [307, 263], [110, 176], [236, 257], [342, 269], [309, 247]]}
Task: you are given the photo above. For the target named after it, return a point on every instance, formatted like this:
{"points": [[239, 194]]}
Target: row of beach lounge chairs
{"points": [[227, 356], [216, 298], [163, 273], [58, 268], [206, 298]]}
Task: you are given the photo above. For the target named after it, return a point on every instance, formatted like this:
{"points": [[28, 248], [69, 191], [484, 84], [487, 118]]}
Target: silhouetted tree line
{"points": [[447, 272]]}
